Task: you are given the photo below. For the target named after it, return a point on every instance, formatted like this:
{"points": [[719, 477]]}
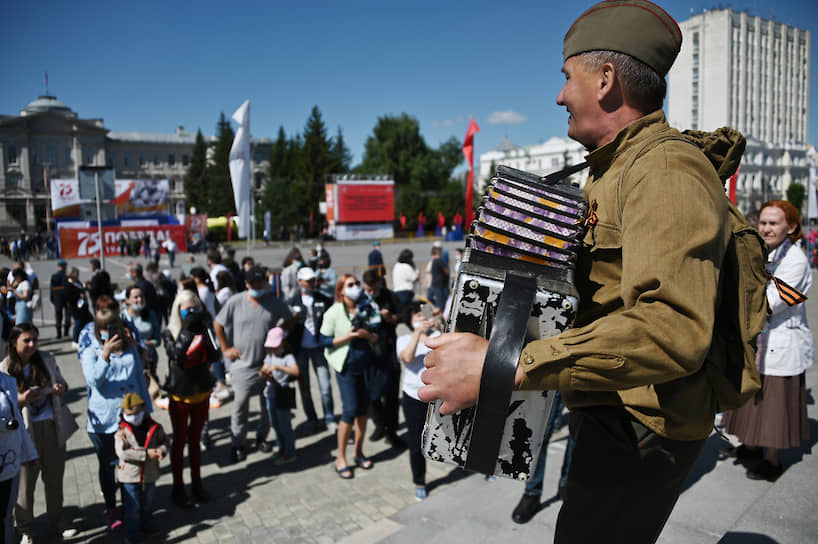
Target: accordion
{"points": [[515, 285]]}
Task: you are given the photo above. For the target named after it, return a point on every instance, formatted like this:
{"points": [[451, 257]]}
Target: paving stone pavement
{"points": [[252, 501]]}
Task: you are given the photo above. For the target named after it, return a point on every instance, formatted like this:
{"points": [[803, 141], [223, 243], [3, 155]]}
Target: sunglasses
{"points": [[352, 284]]}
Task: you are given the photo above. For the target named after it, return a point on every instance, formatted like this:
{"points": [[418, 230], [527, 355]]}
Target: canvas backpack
{"points": [[741, 309]]}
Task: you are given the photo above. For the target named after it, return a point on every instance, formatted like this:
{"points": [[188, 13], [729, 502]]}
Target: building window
{"points": [[112, 159], [35, 154], [185, 160], [68, 158], [89, 156], [171, 159], [51, 154], [126, 159], [12, 154], [12, 181], [142, 160], [156, 160]]}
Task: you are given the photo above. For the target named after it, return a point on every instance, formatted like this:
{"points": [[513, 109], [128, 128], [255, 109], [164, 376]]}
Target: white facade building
{"points": [[47, 140], [752, 74], [543, 158]]}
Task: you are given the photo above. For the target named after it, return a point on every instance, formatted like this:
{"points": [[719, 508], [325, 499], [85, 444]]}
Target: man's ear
{"points": [[607, 80]]}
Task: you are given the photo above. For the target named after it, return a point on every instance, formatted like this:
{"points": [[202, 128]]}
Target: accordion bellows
{"points": [[515, 285]]}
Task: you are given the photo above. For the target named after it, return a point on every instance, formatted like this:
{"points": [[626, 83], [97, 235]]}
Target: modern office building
{"points": [[752, 74], [48, 140]]}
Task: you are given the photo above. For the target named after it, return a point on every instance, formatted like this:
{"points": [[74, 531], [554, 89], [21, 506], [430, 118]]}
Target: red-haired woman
{"points": [[347, 333], [776, 418]]}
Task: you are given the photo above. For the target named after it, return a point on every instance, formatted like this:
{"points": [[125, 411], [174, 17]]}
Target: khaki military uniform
{"points": [[648, 283]]}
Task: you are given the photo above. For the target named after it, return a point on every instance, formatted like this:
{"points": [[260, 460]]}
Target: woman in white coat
{"points": [[776, 418]]}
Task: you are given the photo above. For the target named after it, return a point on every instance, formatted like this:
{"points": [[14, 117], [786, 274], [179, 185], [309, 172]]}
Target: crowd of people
{"points": [[262, 332]]}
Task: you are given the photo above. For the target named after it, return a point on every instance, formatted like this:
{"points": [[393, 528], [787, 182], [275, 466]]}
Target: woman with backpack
{"points": [[776, 418]]}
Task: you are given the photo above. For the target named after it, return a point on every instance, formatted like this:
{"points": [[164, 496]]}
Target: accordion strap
{"points": [[497, 381]]}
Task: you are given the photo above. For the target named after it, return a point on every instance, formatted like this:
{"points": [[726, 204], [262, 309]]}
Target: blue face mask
{"points": [[186, 312], [256, 293], [103, 336]]}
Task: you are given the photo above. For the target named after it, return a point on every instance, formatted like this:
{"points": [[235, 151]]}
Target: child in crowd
{"points": [[140, 444], [280, 369]]}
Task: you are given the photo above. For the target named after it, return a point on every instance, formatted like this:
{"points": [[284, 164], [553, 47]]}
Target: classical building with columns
{"points": [[48, 140]]}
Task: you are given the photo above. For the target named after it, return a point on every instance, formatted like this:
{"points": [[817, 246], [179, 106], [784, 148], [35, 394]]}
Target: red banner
{"points": [[368, 202], [468, 152], [81, 243]]}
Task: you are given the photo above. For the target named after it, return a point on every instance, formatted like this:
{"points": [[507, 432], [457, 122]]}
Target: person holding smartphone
{"points": [[40, 387], [112, 368]]}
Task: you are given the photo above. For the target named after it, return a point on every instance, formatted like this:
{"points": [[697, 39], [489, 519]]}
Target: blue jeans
{"points": [[438, 296], [8, 497], [354, 394], [104, 447], [217, 369], [281, 421], [534, 485], [319, 364], [137, 507]]}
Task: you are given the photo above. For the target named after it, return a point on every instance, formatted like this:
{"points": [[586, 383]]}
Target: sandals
{"points": [[343, 473], [363, 462]]}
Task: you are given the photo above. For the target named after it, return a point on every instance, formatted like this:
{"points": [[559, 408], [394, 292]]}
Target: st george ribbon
{"points": [[240, 168]]}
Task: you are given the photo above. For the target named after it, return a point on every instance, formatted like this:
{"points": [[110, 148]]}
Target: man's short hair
{"points": [[246, 260], [95, 263], [214, 256], [371, 277], [136, 268], [644, 88]]}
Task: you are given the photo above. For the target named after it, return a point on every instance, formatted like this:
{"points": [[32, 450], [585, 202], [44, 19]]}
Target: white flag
{"points": [[240, 168]]}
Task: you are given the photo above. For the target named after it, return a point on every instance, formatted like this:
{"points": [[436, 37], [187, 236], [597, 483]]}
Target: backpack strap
{"points": [[659, 138]]}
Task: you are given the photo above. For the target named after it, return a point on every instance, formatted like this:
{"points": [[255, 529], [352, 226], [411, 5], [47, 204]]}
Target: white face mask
{"points": [[353, 292], [134, 419]]}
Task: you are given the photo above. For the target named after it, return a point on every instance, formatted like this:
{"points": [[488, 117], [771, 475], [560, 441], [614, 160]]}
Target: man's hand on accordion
{"points": [[453, 370]]}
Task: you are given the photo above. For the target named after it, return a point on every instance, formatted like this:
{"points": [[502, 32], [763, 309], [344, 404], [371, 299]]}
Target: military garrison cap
{"points": [[132, 400], [637, 28]]}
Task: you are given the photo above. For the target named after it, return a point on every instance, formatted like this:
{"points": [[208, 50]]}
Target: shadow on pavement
{"points": [[746, 538]]}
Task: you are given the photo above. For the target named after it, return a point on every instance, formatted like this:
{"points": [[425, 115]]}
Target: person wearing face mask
{"points": [[112, 368], [383, 410], [411, 349], [140, 444], [347, 334], [40, 387], [191, 349], [145, 320], [309, 306], [289, 273], [776, 418], [241, 327]]}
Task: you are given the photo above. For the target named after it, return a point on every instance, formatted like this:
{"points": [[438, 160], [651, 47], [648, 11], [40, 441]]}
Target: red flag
{"points": [[731, 189], [468, 152]]}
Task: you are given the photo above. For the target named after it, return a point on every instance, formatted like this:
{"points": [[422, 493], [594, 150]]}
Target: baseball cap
{"points": [[131, 400], [275, 337], [305, 273], [255, 274]]}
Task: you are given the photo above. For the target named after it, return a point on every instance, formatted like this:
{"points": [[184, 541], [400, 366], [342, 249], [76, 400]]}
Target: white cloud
{"points": [[506, 117]]}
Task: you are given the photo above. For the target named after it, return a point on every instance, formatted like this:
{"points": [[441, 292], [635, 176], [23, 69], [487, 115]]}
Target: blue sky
{"points": [[150, 66]]}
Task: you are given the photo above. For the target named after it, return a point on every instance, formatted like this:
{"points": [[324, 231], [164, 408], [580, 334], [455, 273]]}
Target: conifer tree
{"points": [[195, 176], [220, 200]]}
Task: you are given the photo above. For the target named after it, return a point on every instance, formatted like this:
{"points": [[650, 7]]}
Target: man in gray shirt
{"points": [[241, 327]]}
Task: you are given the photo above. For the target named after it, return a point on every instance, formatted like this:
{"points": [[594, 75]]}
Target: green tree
{"points": [[279, 157], [195, 194], [397, 148], [340, 157], [220, 200], [795, 194]]}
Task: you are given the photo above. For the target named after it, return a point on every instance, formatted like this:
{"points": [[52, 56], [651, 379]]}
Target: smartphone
{"points": [[426, 310], [115, 329]]}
